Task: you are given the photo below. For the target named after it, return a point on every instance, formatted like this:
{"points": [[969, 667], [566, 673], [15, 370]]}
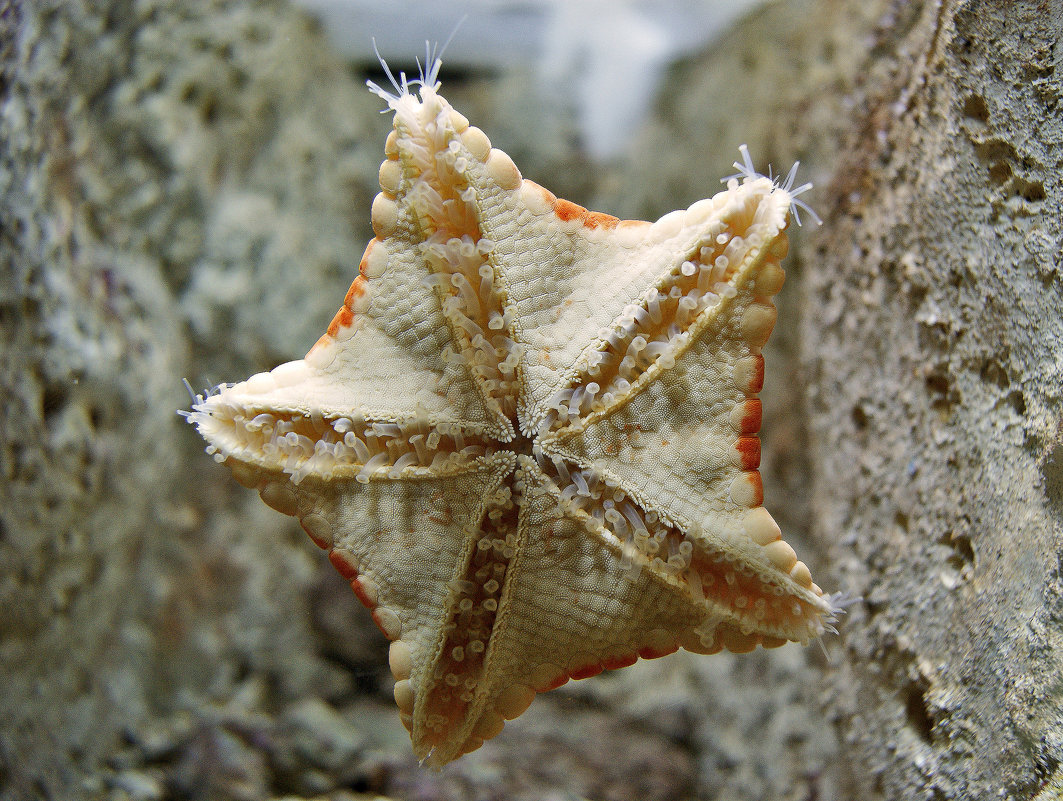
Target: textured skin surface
{"points": [[529, 436]]}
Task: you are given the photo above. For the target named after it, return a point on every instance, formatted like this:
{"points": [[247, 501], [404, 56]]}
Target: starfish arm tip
{"points": [[747, 172], [428, 73]]}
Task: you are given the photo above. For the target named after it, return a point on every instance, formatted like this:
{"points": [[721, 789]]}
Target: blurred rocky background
{"points": [[185, 191]]}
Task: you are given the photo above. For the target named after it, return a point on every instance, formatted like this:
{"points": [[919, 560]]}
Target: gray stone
{"points": [[921, 326], [320, 736], [138, 786], [138, 164]]}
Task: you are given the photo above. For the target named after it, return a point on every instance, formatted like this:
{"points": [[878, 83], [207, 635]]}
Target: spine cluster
{"points": [[302, 445], [459, 256], [652, 333]]}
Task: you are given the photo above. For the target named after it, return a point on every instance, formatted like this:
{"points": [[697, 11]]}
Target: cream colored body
{"points": [[528, 438]]}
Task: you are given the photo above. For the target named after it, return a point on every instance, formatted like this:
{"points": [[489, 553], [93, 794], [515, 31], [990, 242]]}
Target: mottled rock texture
{"points": [[184, 191], [925, 342], [163, 170], [932, 337]]}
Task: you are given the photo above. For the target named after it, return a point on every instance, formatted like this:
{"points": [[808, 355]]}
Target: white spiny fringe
{"points": [[428, 73], [748, 172], [199, 397]]}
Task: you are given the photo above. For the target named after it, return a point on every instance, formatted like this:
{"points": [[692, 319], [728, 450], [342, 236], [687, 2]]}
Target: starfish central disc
{"points": [[529, 436]]}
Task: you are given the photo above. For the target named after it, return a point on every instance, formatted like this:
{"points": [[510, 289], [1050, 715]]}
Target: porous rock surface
{"points": [[924, 337], [932, 335], [163, 168]]}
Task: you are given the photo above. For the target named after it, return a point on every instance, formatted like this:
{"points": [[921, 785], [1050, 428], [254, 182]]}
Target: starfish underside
{"points": [[529, 437]]}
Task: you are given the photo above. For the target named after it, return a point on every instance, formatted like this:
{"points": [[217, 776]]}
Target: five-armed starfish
{"points": [[529, 436]]}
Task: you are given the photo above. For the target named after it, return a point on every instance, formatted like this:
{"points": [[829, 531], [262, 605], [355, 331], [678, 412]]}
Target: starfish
{"points": [[528, 438]]}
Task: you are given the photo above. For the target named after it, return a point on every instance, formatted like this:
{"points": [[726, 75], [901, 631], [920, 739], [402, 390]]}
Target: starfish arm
{"points": [[421, 340], [432, 243], [564, 602], [388, 359], [724, 266], [684, 453], [567, 603], [541, 243], [409, 548]]}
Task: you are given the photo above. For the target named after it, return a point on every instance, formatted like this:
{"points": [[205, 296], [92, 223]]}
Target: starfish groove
{"points": [[529, 437]]}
